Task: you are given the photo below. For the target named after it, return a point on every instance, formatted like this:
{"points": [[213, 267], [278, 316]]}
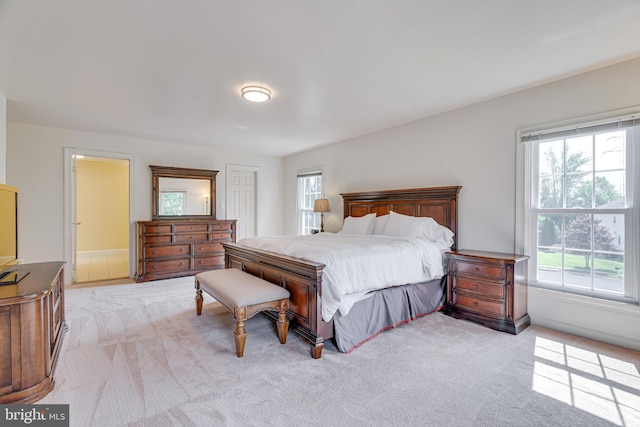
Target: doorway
{"points": [[242, 203], [98, 215]]}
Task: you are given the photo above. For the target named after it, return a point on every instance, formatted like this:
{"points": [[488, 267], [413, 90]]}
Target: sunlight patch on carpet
{"points": [[603, 386]]}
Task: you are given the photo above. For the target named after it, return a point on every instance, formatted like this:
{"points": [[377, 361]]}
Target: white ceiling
{"points": [[171, 70]]}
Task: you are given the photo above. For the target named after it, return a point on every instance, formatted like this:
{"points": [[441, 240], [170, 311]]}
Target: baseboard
{"points": [[104, 252]]}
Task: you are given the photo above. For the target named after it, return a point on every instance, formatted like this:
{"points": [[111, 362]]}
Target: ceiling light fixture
{"points": [[256, 93]]}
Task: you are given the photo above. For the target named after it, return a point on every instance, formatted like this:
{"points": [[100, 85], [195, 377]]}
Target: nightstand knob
{"points": [[475, 304], [476, 269], [475, 286]]}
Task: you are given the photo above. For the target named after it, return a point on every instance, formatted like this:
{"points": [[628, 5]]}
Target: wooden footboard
{"points": [[303, 280]]}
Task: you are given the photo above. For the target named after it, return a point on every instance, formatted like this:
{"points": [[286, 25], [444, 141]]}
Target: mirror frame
{"points": [[158, 172]]}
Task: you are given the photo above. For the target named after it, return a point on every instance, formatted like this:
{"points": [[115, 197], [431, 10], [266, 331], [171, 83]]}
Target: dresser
{"points": [[488, 288], [32, 326], [174, 248]]}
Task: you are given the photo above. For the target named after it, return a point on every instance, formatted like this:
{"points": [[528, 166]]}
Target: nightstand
{"points": [[488, 288]]}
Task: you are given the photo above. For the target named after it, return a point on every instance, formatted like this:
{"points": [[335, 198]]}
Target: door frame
{"points": [[69, 197], [230, 167]]}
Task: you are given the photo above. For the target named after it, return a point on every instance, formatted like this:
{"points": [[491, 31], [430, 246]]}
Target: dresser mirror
{"points": [[183, 193]]}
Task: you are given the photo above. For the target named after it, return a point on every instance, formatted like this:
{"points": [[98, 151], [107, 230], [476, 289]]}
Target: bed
{"points": [[304, 278]]}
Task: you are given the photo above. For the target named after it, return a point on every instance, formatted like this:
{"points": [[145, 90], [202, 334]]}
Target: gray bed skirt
{"points": [[386, 309]]}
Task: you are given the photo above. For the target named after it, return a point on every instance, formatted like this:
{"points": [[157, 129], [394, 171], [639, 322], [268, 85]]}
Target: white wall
{"points": [[475, 147], [35, 165], [3, 139]]}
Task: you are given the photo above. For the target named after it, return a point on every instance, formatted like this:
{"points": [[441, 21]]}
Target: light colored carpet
{"points": [[137, 354]]}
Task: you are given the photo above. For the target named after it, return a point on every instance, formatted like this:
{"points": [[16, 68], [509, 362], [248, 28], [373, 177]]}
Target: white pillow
{"points": [[422, 227], [381, 221], [358, 225], [444, 235]]}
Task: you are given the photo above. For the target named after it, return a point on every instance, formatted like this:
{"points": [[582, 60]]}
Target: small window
{"points": [[309, 189], [172, 203]]}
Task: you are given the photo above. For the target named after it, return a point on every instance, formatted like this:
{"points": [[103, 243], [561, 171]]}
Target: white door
{"points": [[241, 199], [74, 220]]}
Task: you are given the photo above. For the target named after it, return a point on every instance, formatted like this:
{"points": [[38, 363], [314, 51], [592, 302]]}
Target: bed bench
{"points": [[244, 296]]}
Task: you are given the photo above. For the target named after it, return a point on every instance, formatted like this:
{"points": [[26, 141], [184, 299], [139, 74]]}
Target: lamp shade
{"points": [[321, 205]]}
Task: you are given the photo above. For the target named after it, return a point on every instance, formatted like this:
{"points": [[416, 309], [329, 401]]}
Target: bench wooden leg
{"points": [[199, 302], [283, 322], [240, 315], [241, 337]]}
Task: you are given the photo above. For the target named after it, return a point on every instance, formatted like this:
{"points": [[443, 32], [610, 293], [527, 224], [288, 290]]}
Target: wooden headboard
{"points": [[439, 203]]}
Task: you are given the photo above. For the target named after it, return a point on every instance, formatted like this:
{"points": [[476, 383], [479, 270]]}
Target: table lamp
{"points": [[322, 206]]}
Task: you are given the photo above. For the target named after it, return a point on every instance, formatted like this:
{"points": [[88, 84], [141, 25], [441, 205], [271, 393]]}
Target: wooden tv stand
{"points": [[32, 325]]}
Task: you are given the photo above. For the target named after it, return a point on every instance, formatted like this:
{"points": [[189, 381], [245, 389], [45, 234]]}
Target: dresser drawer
{"points": [[488, 270], [221, 226], [171, 248], [209, 261], [165, 251], [158, 239], [221, 236], [207, 248], [495, 289], [191, 228], [494, 309], [164, 229], [191, 237], [168, 265]]}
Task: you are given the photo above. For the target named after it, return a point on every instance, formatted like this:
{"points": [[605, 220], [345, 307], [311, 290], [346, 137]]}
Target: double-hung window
{"points": [[309, 189], [581, 214]]}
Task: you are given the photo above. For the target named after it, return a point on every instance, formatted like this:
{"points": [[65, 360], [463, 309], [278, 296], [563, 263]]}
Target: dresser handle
{"points": [[475, 304], [155, 266], [476, 269], [181, 249], [155, 252], [182, 263], [475, 286]]}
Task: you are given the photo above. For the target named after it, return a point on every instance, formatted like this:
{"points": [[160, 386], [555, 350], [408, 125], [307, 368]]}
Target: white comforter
{"points": [[358, 264]]}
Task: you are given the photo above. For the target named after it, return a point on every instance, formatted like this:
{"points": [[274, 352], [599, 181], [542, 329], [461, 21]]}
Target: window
{"points": [[172, 202], [581, 212], [309, 189]]}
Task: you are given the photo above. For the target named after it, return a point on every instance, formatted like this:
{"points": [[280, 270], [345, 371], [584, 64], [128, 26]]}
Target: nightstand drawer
{"points": [[496, 289], [495, 309], [488, 270]]}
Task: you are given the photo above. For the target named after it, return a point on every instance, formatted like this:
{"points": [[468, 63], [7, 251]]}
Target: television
{"points": [[9, 273]]}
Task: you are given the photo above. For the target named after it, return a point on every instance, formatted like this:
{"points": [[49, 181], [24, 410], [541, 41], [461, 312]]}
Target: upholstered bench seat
{"points": [[244, 296]]}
